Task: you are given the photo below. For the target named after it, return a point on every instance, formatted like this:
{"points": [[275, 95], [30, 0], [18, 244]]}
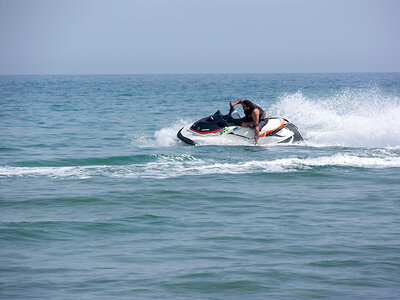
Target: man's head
{"points": [[247, 104]]}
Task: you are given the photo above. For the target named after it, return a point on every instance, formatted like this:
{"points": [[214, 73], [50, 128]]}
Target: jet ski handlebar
{"points": [[231, 110], [236, 120]]}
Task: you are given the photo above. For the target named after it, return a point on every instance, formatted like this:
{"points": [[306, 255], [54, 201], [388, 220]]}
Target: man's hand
{"points": [[232, 104]]}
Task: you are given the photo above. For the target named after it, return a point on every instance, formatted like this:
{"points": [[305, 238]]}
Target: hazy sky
{"points": [[198, 36]]}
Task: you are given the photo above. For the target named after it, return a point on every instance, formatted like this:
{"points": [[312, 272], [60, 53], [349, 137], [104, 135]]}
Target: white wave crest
{"points": [[183, 165]]}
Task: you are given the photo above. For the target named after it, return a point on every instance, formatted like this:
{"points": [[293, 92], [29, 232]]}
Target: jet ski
{"points": [[228, 127]]}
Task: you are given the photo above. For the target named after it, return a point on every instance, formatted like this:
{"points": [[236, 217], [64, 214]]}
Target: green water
{"points": [[100, 200]]}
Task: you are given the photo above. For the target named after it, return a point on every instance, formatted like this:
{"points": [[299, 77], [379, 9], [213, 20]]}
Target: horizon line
{"points": [[201, 73]]}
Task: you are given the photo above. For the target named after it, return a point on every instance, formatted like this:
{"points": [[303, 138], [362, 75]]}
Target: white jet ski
{"points": [[278, 130]]}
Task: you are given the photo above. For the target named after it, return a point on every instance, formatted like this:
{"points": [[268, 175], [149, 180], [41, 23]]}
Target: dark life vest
{"points": [[261, 116]]}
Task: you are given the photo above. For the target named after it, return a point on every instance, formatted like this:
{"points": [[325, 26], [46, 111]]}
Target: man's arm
{"points": [[236, 102], [255, 115]]}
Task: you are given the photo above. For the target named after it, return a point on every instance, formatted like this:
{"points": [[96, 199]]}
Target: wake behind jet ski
{"points": [[228, 127]]}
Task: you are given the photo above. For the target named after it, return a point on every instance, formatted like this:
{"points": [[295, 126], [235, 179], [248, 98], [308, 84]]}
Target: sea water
{"points": [[100, 200]]}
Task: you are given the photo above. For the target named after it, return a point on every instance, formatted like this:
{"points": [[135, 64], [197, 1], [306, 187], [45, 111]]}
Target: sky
{"points": [[198, 36]]}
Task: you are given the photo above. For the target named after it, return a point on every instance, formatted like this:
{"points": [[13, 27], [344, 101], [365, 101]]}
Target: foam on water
{"points": [[164, 137], [351, 118], [182, 165]]}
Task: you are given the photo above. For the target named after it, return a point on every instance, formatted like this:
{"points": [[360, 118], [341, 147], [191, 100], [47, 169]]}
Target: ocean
{"points": [[100, 200]]}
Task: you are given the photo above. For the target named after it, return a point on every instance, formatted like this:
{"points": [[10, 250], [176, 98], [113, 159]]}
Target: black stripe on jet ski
{"points": [[297, 136], [185, 139], [240, 135], [272, 133], [288, 140]]}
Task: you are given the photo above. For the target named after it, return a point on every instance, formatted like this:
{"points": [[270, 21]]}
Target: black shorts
{"points": [[260, 125]]}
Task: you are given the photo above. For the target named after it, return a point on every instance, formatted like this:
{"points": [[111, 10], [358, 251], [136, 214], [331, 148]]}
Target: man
{"points": [[255, 116]]}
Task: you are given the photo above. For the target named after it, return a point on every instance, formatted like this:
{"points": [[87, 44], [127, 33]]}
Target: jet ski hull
{"points": [[277, 131]]}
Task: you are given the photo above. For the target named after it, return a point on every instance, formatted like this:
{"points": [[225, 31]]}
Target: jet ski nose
{"points": [[184, 139]]}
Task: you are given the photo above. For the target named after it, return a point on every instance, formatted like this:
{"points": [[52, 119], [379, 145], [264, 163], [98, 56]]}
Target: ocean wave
{"points": [[169, 166]]}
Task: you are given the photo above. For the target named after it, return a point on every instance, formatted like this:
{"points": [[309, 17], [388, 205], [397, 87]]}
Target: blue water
{"points": [[100, 200]]}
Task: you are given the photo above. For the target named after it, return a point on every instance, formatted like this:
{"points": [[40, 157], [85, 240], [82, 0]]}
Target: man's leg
{"points": [[256, 134], [258, 128]]}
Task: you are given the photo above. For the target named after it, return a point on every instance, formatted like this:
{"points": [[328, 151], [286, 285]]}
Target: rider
{"points": [[255, 117]]}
